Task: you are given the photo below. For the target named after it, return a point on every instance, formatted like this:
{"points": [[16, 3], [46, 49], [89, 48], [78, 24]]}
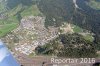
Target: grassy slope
{"points": [[10, 23], [12, 12], [7, 25], [2, 7], [95, 5], [32, 10], [7, 28], [77, 29], [89, 37]]}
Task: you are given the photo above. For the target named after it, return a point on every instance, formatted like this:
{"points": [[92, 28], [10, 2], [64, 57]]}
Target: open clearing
{"points": [[95, 5], [7, 28], [31, 11], [11, 22]]}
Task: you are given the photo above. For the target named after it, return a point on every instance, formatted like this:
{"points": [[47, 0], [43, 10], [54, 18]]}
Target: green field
{"points": [[89, 37], [31, 11], [7, 25], [7, 28], [77, 29], [14, 11], [95, 5], [12, 20]]}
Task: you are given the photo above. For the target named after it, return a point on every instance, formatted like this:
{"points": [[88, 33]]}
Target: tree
{"points": [[70, 45], [56, 11]]}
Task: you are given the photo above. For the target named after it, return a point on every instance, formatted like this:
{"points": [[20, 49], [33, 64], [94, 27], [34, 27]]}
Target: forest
{"points": [[85, 17], [56, 13], [69, 46]]}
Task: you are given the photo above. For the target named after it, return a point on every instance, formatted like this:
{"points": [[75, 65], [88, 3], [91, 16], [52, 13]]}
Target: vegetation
{"points": [[77, 29], [3, 8], [56, 11], [7, 28], [95, 4], [32, 10], [87, 18], [83, 32], [14, 11], [89, 37], [68, 45]]}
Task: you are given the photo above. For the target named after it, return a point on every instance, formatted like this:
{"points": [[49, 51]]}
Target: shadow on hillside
{"points": [[13, 3]]}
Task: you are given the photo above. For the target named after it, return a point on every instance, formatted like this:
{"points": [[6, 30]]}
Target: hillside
{"points": [[95, 4], [12, 11], [56, 11], [68, 45], [39, 22], [85, 17]]}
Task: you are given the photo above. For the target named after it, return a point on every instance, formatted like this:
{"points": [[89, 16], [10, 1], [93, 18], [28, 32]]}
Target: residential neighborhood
{"points": [[30, 34]]}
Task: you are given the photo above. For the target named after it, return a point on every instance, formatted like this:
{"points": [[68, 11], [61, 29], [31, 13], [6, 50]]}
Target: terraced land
{"points": [[7, 28], [14, 16]]}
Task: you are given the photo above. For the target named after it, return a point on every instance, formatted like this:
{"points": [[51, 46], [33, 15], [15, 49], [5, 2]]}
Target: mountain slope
{"points": [[56, 11], [13, 11], [85, 16]]}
